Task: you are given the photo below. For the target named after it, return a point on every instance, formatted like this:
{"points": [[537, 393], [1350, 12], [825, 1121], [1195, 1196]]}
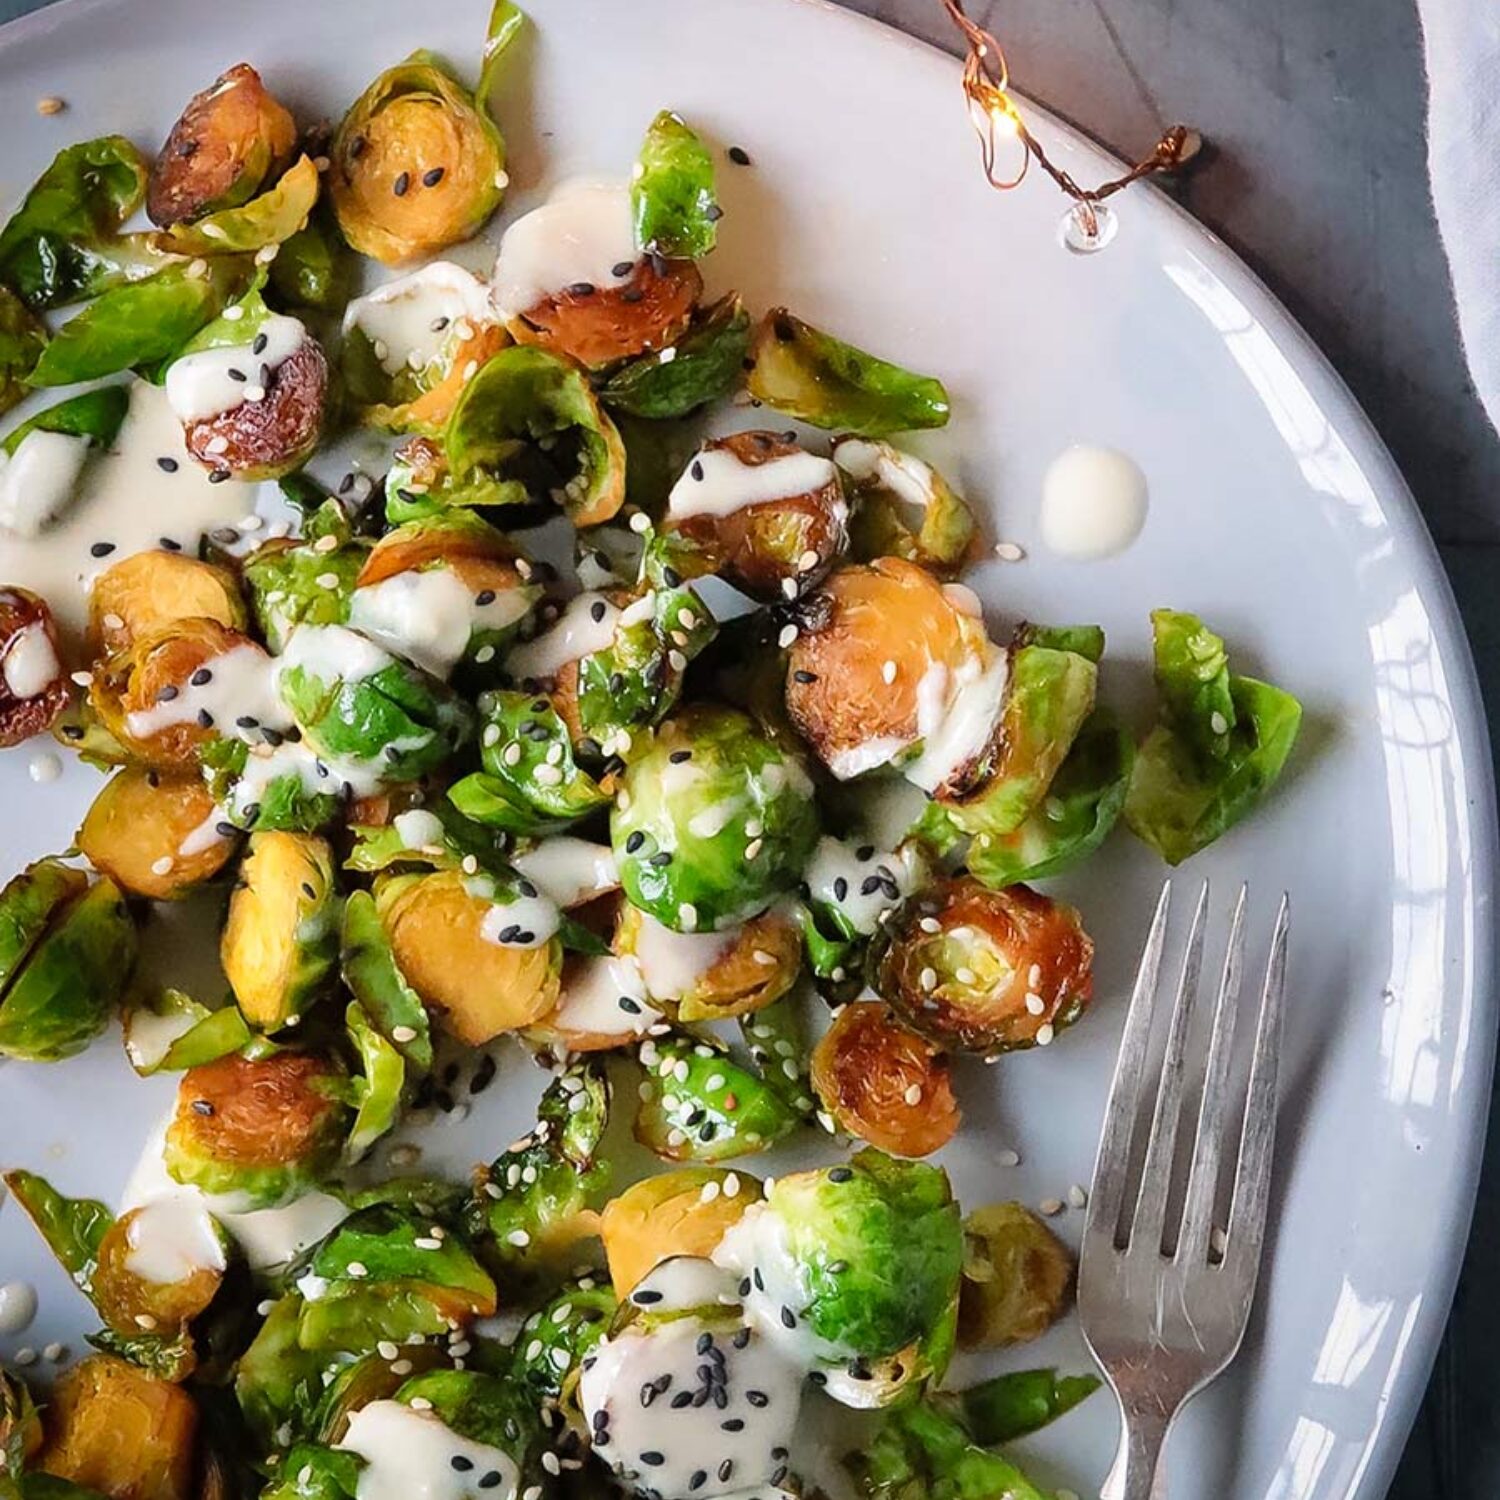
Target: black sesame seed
{"points": [[802, 675], [205, 719], [859, 1370], [439, 324], [217, 476], [713, 213], [634, 842], [312, 895], [700, 1396], [696, 470], [588, 745], [788, 1318], [273, 737], [739, 156], [264, 376], [840, 888], [840, 1174], [186, 149], [671, 577], [677, 757], [760, 1281], [491, 1481], [235, 374], [617, 682], [247, 721], [432, 176], [483, 597], [757, 1398], [648, 1393], [741, 1339], [168, 544], [72, 732], [659, 263], [167, 694], [596, 610], [510, 934], [645, 1297], [779, 1475], [225, 830], [201, 676], [102, 549], [709, 1131], [259, 346], [357, 148], [663, 1382], [698, 1480], [167, 465], [733, 1424], [780, 1453], [462, 1464], [629, 1006], [817, 1377], [400, 185], [744, 1286], [681, 1399], [726, 1469], [631, 294], [784, 330], [864, 853], [869, 885], [660, 861], [581, 289], [652, 1458], [251, 813], [202, 1107], [706, 1374], [696, 1117]]}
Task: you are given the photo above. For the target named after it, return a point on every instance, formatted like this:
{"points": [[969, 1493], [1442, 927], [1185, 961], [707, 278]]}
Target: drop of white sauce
{"points": [[17, 1306], [1094, 502]]}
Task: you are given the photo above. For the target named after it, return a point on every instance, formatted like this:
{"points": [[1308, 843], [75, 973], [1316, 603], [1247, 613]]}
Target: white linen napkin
{"points": [[1463, 154]]}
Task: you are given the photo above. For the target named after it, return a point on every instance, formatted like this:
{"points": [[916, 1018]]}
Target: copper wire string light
{"points": [[995, 119]]}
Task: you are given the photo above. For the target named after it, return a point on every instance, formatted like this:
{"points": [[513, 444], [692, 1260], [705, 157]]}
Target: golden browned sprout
{"points": [[150, 590], [1017, 1277], [129, 1302], [33, 684]]}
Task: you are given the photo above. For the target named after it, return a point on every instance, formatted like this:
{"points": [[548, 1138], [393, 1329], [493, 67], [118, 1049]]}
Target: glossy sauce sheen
{"points": [[673, 962], [429, 616], [592, 995], [1094, 503], [412, 319], [30, 663], [580, 631], [716, 483], [409, 1456], [17, 1306], [212, 381], [569, 870], [580, 234]]}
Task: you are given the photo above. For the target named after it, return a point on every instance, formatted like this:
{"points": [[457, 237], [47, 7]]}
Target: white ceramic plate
{"points": [[1275, 512]]}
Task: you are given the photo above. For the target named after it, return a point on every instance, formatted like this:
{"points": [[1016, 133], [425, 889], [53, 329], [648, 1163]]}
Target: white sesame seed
{"points": [[27, 1355], [403, 1033], [1035, 1005], [54, 1353], [254, 393], [547, 775], [787, 636], [327, 543], [1049, 1207], [732, 1185], [1008, 1158], [913, 1094], [640, 522], [511, 754], [753, 848], [1078, 1196], [928, 979], [1009, 551], [83, 679], [550, 1463], [711, 1190], [484, 654], [667, 355], [519, 1238], [357, 1269], [766, 960], [965, 975], [789, 587], [687, 914], [387, 1350], [675, 1137], [401, 1367], [1044, 1034], [888, 671], [50, 104], [930, 924], [677, 661], [426, 1242], [807, 562], [162, 866], [146, 1321], [420, 1403], [233, 314], [113, 622], [1218, 723]]}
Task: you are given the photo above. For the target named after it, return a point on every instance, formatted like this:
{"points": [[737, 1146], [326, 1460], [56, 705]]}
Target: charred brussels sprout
{"points": [[354, 701], [33, 685], [982, 970], [537, 1200], [150, 590], [1017, 1277], [672, 196], [1222, 743], [230, 141], [68, 979], [156, 835], [684, 1212], [883, 1083], [257, 1132], [369, 970], [904, 507], [853, 1263], [23, 336], [715, 821], [825, 382], [709, 358], [306, 581], [456, 939], [280, 941], [760, 510]]}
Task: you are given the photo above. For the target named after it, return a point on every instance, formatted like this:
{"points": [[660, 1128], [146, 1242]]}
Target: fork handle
{"points": [[1137, 1472]]}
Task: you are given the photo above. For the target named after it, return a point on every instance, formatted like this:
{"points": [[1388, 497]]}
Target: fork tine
{"points": [[1203, 1180], [1156, 1174], [1252, 1181], [1110, 1166]]}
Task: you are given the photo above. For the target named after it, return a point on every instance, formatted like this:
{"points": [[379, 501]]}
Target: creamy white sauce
{"points": [[429, 616], [717, 483], [125, 502], [238, 683], [332, 653], [604, 997], [932, 694], [519, 922], [904, 474], [587, 625], [30, 665], [409, 1456], [205, 836], [672, 963], [570, 870], [413, 320], [170, 1239], [317, 774], [966, 726], [213, 381], [714, 819], [39, 479], [687, 1452], [149, 1037], [17, 1306], [582, 233], [684, 1282], [418, 828], [858, 887], [1094, 502]]}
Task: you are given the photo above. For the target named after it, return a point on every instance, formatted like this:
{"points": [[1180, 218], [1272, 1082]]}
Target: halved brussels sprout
{"points": [[265, 221], [277, 1383], [537, 1199], [28, 904], [157, 835], [556, 1339], [281, 937], [445, 931], [159, 1266], [365, 1379], [714, 821], [672, 194], [304, 581], [230, 140], [147, 591], [23, 336], [713, 976], [921, 1450], [825, 382], [883, 1083], [1021, 1402], [72, 977], [709, 357], [257, 1132], [354, 701], [33, 684], [762, 511], [168, 1032], [683, 1212], [417, 162], [61, 244], [703, 1106], [369, 969], [121, 1433], [853, 1262], [982, 970], [1017, 1277], [904, 507], [871, 665]]}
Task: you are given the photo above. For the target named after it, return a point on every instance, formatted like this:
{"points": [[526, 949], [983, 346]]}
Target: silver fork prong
{"points": [[1113, 1161], [1252, 1182], [1156, 1173], [1203, 1178]]}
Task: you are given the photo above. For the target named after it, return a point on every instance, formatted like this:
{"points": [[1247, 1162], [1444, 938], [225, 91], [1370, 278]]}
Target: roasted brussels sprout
{"points": [[307, 580], [683, 1212], [159, 1266], [1222, 743], [458, 941], [903, 507], [120, 1432], [277, 1383], [28, 904], [855, 1262], [922, 1450], [148, 591], [33, 685], [169, 1032], [61, 244], [762, 511], [537, 1200], [256, 1132], [556, 1339], [713, 976], [355, 702], [672, 195], [883, 1083], [314, 268], [825, 382], [709, 356], [62, 993], [1021, 1402], [268, 220], [369, 969], [713, 823], [1017, 1277], [230, 141], [157, 835], [985, 971], [603, 1005], [280, 941], [23, 336], [417, 162]]}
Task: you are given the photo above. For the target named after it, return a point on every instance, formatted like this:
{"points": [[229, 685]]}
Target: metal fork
{"points": [[1163, 1318]]}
